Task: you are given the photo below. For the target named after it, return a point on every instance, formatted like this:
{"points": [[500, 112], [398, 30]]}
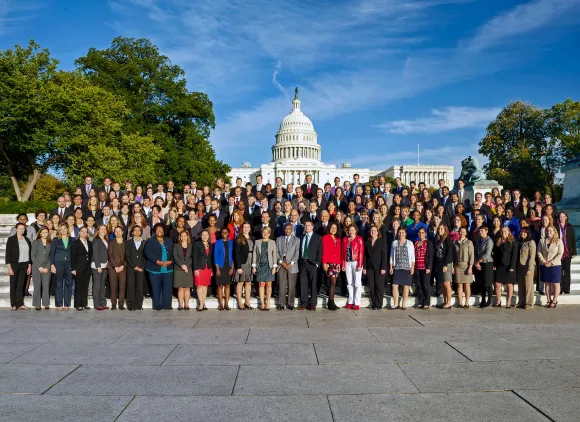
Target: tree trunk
{"points": [[32, 179]]}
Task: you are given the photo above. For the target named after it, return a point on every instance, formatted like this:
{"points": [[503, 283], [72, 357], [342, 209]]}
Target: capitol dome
{"points": [[296, 138]]}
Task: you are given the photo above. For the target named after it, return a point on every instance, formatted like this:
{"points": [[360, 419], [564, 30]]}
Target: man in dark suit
{"points": [[77, 203], [439, 192], [399, 186], [253, 210], [259, 187], [310, 260], [450, 206], [444, 195], [312, 214], [107, 186], [102, 199], [279, 185], [290, 194], [516, 204], [462, 194], [309, 188], [265, 221], [61, 210], [355, 183], [327, 195], [86, 188], [222, 217]]}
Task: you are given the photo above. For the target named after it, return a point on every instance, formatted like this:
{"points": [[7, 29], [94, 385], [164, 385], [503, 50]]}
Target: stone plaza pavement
{"points": [[458, 365]]}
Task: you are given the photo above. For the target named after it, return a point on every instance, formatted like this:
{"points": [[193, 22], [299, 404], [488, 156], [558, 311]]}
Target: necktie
{"points": [[308, 188], [312, 216], [237, 201], [290, 197], [305, 253], [60, 213]]}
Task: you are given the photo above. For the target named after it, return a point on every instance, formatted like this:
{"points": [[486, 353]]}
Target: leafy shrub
{"points": [[15, 207]]}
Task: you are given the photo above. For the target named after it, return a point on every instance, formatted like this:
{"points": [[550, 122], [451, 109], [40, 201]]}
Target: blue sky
{"points": [[377, 77]]}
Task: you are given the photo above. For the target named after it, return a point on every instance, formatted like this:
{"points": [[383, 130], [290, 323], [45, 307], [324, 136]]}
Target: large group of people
{"points": [[124, 244]]}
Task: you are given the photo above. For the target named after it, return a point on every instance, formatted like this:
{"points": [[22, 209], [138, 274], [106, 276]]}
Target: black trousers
{"points": [[82, 287], [135, 286], [17, 282], [565, 283], [484, 281], [376, 282], [308, 284], [423, 282]]}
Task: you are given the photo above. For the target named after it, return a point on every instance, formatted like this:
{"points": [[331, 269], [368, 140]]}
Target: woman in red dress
{"points": [[202, 267], [331, 259]]}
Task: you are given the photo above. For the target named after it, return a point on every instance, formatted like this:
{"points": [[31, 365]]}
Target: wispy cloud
{"points": [[275, 79], [520, 20], [447, 119], [14, 13]]}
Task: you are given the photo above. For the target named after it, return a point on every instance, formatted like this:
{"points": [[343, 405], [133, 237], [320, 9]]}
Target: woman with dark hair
{"points": [[202, 267], [99, 267], [331, 259], [402, 264], [40, 257], [135, 268], [341, 201], [423, 265], [18, 249], [443, 264], [568, 237], [160, 268], [223, 259], [81, 257], [525, 268], [117, 269], [375, 266], [505, 257], [243, 254], [193, 225], [183, 273]]}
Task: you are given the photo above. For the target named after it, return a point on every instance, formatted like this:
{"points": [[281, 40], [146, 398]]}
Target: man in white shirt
{"points": [[159, 192]]}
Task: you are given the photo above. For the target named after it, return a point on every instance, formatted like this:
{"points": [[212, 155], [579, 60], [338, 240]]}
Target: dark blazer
{"points": [[200, 259], [376, 257], [313, 189], [241, 253], [570, 238], [80, 258], [262, 189], [58, 252], [506, 254], [135, 257], [257, 232], [13, 250], [518, 211], [152, 253], [180, 260], [222, 219], [314, 249], [100, 252], [84, 193], [448, 251], [97, 214]]}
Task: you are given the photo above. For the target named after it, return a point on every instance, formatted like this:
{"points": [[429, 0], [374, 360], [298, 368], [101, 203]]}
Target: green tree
{"points": [[564, 128], [161, 106], [50, 119], [519, 150]]}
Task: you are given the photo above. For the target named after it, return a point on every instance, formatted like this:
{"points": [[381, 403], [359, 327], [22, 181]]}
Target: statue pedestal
{"points": [[482, 187], [571, 196]]}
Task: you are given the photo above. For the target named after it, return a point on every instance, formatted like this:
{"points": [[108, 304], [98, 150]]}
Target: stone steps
{"points": [[212, 303]]}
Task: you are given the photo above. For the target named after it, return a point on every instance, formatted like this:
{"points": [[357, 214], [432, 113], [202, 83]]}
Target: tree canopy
{"points": [[527, 145], [124, 113], [155, 91]]}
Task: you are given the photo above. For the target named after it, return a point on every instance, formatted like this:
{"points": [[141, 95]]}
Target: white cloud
{"points": [[275, 81], [520, 20], [447, 119], [13, 14]]}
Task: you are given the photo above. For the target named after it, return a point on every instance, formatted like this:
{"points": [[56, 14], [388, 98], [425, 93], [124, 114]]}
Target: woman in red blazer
{"points": [[352, 263], [331, 260]]}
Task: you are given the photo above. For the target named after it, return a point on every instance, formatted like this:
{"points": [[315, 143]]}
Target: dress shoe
{"points": [[100, 308], [87, 308], [113, 307], [290, 307], [279, 307], [301, 308], [38, 308], [356, 307], [349, 306], [105, 307], [312, 308], [121, 308]]}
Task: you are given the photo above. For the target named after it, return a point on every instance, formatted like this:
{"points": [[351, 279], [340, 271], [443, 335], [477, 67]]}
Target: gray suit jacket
{"points": [[273, 202], [100, 253], [290, 253], [40, 255], [179, 259]]}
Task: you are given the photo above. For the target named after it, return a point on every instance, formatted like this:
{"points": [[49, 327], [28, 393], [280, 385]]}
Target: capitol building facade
{"points": [[297, 153]]}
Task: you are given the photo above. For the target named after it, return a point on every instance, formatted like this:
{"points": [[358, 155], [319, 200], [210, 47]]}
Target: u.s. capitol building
{"points": [[297, 153]]}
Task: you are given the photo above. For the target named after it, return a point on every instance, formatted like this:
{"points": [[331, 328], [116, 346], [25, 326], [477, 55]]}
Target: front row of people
{"points": [[303, 261]]}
